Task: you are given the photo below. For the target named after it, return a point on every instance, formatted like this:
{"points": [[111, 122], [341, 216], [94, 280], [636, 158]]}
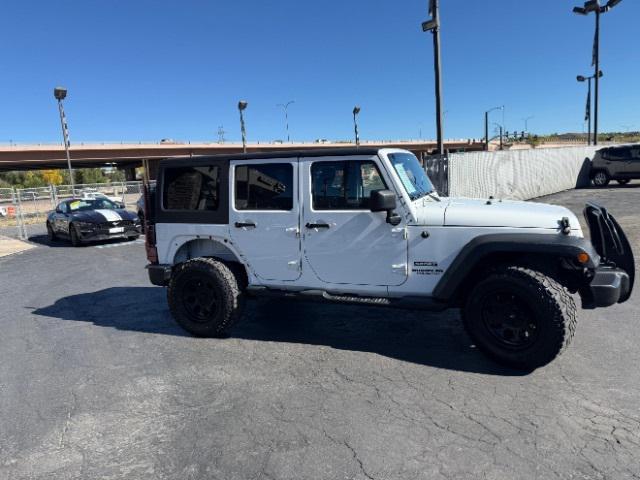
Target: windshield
{"points": [[412, 175], [92, 204]]}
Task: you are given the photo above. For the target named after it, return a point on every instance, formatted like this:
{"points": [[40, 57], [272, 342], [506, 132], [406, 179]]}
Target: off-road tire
{"points": [[600, 178], [623, 181], [221, 282], [73, 236], [550, 304], [51, 235]]}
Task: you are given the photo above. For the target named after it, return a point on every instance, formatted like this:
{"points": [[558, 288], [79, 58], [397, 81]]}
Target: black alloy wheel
{"points": [[200, 298], [519, 316], [509, 319], [205, 296]]}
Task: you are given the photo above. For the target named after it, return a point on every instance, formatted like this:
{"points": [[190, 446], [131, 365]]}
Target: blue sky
{"points": [[142, 70]]}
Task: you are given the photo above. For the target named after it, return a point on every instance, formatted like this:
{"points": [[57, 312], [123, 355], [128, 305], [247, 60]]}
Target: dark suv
{"points": [[615, 163]]}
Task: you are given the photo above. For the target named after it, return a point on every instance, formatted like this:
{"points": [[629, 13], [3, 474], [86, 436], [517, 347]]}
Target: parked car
{"points": [[365, 226], [84, 220], [620, 163], [92, 193]]}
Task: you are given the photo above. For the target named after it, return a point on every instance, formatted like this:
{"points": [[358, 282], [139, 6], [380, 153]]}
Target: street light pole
{"points": [[597, 60], [526, 123], [587, 116], [433, 26], [500, 129], [356, 111], [60, 94], [486, 126], [285, 106], [595, 7], [242, 105]]}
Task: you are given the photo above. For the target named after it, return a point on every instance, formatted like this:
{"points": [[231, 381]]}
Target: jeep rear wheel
{"points": [[601, 178], [204, 297], [520, 317]]}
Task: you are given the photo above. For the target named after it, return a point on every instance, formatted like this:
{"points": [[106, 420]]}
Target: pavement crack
{"points": [[70, 411], [357, 459]]}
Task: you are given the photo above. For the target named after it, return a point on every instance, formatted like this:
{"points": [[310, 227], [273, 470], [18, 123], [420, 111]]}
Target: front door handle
{"points": [[245, 224], [317, 225]]}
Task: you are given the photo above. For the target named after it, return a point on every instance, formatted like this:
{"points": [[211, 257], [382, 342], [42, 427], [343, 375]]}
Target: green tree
{"points": [[89, 175]]}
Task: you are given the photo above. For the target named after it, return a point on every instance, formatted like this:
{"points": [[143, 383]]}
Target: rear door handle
{"points": [[317, 225], [245, 224]]}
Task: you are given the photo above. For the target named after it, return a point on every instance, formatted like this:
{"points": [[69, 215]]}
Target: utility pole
{"points": [[221, 133], [433, 26]]}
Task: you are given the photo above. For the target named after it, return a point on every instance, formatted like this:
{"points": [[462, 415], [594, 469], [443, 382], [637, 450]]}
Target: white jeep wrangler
{"points": [[366, 226]]}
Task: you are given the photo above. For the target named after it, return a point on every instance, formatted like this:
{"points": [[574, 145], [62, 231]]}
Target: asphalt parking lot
{"points": [[96, 381]]}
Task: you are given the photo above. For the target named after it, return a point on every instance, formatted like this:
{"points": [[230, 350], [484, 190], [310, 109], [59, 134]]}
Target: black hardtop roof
{"points": [[316, 152]]}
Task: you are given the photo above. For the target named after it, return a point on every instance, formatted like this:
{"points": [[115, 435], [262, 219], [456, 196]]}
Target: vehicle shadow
{"points": [[44, 241], [425, 338]]}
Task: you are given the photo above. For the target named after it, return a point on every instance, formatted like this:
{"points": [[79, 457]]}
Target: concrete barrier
{"points": [[519, 174]]}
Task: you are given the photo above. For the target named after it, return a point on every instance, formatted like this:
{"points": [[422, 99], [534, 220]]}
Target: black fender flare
{"points": [[478, 249]]}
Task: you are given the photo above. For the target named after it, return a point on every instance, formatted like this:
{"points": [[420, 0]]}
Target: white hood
{"points": [[470, 212]]}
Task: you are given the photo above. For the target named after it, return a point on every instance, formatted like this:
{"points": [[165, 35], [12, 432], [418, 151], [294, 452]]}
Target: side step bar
{"points": [[419, 303]]}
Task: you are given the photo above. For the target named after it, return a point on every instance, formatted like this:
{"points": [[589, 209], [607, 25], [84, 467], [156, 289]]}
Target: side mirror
{"points": [[385, 201], [58, 210], [120, 205], [382, 201]]}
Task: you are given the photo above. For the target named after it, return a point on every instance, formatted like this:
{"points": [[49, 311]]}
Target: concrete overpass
{"points": [[128, 156]]}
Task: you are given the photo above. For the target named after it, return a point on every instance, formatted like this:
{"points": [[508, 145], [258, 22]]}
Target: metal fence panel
{"points": [[33, 206], [437, 168], [9, 226], [519, 174]]}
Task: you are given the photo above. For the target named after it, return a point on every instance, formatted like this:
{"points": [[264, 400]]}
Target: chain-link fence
{"points": [[23, 211], [8, 213]]}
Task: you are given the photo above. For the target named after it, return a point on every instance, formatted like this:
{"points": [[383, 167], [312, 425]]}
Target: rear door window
{"points": [[264, 186], [191, 188]]}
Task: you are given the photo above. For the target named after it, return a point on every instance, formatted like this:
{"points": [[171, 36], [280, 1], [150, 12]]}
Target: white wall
{"points": [[519, 174]]}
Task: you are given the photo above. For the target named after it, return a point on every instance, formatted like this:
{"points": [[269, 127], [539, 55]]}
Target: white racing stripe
{"points": [[110, 215]]}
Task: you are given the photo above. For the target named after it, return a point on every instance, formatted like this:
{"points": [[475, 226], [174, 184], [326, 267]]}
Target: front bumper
{"points": [[159, 274], [608, 286], [100, 234], [613, 280]]}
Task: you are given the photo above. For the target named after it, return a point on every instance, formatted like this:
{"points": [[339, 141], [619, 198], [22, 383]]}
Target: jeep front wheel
{"points": [[204, 297], [520, 317]]}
